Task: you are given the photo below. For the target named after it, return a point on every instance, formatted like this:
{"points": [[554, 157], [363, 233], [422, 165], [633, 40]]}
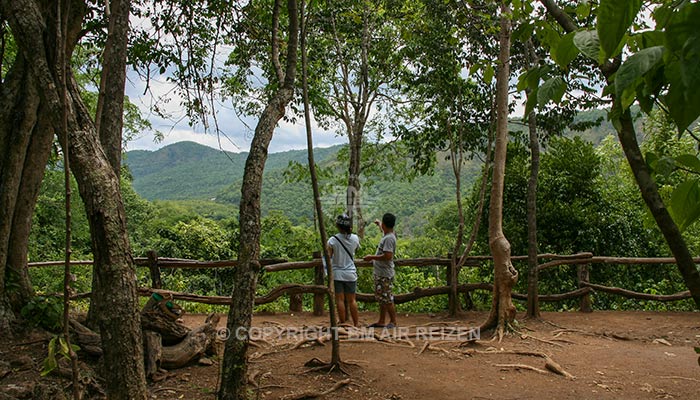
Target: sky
{"points": [[238, 134]]}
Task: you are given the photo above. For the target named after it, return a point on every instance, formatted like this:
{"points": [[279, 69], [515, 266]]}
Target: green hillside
{"points": [[191, 171]]}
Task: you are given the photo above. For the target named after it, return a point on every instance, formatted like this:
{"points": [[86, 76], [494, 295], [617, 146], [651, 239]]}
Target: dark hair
{"points": [[344, 223], [389, 220]]}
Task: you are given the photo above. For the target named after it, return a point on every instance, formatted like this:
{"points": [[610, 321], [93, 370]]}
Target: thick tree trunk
{"points": [[33, 173], [25, 146], [110, 102], [505, 275], [18, 117], [33, 28], [117, 307], [109, 119], [234, 369]]}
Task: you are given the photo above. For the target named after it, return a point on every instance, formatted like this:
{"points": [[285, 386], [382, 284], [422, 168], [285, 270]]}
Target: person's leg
{"points": [[352, 305], [383, 296], [340, 301], [390, 307], [391, 310], [351, 302]]}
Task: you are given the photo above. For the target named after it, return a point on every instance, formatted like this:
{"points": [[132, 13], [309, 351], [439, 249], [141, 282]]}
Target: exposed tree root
{"points": [[317, 365], [321, 340], [556, 368], [317, 394], [609, 335], [429, 346], [525, 336], [522, 366], [493, 350]]}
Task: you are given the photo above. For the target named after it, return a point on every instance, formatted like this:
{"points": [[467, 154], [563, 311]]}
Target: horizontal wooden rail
{"points": [[612, 260], [637, 295]]}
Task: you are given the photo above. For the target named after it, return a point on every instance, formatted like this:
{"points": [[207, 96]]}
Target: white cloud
{"points": [[236, 135]]}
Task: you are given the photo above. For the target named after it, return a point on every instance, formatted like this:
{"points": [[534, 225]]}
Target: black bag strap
{"points": [[346, 249]]}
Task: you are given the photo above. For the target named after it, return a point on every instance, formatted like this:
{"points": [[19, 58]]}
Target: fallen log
{"points": [[171, 331], [89, 341], [193, 346]]}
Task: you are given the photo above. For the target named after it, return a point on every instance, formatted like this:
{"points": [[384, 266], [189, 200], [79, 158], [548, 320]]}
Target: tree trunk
{"points": [[25, 140], [651, 197], [109, 118], [38, 154], [34, 30], [110, 102], [116, 304], [505, 275], [453, 271], [353, 203], [18, 118], [533, 302], [335, 341], [234, 369]]}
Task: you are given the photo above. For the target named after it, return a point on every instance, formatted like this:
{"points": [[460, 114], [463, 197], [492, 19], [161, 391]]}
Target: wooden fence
{"points": [[583, 261]]}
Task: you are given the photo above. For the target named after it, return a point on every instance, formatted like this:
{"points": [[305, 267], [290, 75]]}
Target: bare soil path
{"points": [[609, 354]]}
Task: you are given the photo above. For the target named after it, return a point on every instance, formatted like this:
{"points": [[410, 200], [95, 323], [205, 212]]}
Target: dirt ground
{"points": [[609, 355]]}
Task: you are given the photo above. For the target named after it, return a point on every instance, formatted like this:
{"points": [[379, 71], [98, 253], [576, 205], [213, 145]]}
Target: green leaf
{"points": [[588, 43], [583, 9], [552, 89], [683, 25], [565, 51], [488, 74], [634, 68], [531, 102], [614, 19], [689, 161], [529, 79], [697, 350], [676, 101], [685, 204]]}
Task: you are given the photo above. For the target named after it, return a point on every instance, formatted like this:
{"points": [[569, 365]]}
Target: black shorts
{"points": [[345, 287]]}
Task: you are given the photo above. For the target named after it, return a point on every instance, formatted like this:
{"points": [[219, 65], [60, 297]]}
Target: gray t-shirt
{"points": [[343, 265], [386, 245]]}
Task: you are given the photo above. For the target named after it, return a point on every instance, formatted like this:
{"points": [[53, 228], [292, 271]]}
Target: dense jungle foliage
{"points": [[587, 200]]}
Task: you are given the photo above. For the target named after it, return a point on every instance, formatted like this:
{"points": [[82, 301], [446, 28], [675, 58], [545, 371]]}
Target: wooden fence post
{"points": [[319, 279], [583, 277], [156, 283]]}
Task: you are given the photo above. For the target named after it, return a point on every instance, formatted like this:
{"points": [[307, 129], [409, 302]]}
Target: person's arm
{"points": [[386, 256]]}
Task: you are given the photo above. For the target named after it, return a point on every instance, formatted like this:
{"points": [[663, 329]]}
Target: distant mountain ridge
{"points": [[189, 170]]}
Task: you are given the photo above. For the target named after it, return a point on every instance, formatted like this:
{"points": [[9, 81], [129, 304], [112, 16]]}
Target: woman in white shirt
{"points": [[342, 248]]}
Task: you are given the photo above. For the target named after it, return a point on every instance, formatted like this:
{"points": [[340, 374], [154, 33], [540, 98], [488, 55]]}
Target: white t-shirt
{"points": [[343, 265]]}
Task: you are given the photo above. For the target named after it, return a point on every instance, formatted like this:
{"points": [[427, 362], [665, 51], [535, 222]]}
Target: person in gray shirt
{"points": [[342, 248], [383, 261]]}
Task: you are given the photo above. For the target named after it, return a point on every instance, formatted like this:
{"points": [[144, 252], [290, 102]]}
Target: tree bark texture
{"points": [[505, 275], [234, 369], [33, 28], [116, 303], [26, 136], [18, 117]]}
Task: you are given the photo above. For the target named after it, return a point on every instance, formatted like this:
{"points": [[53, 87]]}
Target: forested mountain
{"points": [[190, 171]]}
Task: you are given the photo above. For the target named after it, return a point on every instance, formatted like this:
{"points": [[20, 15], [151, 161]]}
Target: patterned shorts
{"points": [[382, 289]]}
